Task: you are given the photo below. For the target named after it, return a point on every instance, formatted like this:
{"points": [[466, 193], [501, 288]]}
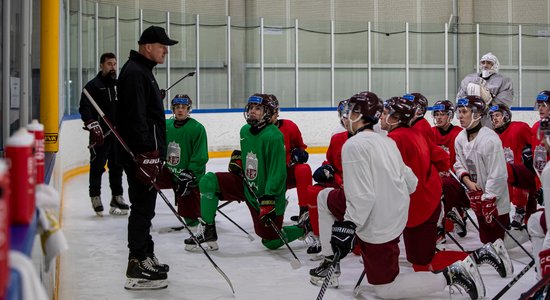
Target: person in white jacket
{"points": [[377, 188]]}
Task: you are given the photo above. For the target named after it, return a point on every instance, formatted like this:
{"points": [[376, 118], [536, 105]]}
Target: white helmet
{"points": [[493, 59]]}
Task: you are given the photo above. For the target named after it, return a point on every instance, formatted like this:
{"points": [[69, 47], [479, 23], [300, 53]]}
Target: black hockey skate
{"points": [[163, 268], [304, 223], [314, 249], [466, 275], [459, 224], [97, 205], [487, 254], [142, 275], [303, 209], [518, 218], [118, 206], [206, 233], [318, 274]]}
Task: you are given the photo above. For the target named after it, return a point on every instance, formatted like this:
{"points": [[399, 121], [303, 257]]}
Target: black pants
{"points": [[105, 153], [143, 200]]}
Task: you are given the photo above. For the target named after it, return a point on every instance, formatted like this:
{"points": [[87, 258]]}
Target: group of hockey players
{"points": [[388, 175]]}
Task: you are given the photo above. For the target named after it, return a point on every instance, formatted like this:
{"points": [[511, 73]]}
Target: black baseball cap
{"points": [[156, 34]]}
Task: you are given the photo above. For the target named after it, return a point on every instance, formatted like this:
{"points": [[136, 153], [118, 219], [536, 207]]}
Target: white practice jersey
{"points": [[483, 158], [377, 186]]}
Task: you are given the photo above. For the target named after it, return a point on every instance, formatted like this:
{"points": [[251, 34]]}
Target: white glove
{"points": [[485, 94]]}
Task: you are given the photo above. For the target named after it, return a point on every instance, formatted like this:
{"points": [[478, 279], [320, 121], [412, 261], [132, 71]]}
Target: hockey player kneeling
{"points": [[378, 185]]}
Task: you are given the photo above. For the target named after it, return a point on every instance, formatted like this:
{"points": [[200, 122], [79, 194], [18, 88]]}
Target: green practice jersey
{"points": [[187, 147], [264, 164]]}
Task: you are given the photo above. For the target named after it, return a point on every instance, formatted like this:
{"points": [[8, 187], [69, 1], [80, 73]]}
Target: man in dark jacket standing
{"points": [[103, 145], [143, 127]]}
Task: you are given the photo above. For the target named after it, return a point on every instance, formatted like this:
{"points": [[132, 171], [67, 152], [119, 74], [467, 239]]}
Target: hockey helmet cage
{"points": [[367, 104], [475, 103], [268, 102]]}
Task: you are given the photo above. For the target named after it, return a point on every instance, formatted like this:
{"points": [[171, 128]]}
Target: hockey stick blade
{"points": [[357, 288], [170, 229], [329, 275], [155, 186], [295, 263], [514, 280]]}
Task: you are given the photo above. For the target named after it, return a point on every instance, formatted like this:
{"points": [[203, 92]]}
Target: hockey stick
{"points": [[188, 74], [296, 263], [180, 228], [250, 237], [466, 190], [356, 289], [535, 288], [159, 191], [514, 280], [324, 287]]}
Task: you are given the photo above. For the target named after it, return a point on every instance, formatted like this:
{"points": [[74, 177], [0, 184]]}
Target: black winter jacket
{"points": [[102, 89], [140, 120]]}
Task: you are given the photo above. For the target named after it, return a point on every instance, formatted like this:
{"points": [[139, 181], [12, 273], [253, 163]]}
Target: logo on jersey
{"points": [[509, 155], [251, 166], [445, 148], [471, 169], [539, 159], [173, 154]]}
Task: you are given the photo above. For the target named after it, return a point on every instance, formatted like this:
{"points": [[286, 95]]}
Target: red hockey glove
{"points": [[148, 166], [236, 163], [489, 209], [475, 201], [267, 209], [96, 133], [544, 256]]}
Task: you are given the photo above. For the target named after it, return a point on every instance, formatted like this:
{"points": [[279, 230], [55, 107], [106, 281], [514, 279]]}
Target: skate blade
{"points": [[318, 281], [144, 284], [316, 256], [208, 246], [99, 213], [117, 211]]}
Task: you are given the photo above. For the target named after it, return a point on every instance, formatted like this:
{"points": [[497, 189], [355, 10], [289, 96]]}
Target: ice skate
{"points": [[318, 274], [487, 254], [314, 249], [304, 223], [97, 205], [441, 239], [503, 254], [518, 218], [459, 224], [206, 233], [163, 268], [142, 275], [465, 275], [303, 209], [118, 206]]}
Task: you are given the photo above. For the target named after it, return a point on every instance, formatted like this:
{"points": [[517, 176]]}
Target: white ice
{"points": [[95, 264]]}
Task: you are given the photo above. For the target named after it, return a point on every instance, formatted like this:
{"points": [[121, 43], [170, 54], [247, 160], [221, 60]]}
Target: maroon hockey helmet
{"points": [[401, 109], [368, 105], [504, 110], [445, 106], [475, 103], [419, 100], [268, 102]]}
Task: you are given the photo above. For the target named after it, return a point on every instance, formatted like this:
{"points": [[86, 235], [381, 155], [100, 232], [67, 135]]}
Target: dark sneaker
{"points": [[142, 275], [206, 233], [97, 205]]}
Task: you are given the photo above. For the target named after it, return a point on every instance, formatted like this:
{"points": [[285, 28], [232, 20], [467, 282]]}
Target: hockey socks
{"points": [[291, 233], [209, 201], [441, 260]]}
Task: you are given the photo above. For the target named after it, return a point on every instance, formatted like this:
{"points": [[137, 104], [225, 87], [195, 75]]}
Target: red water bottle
{"points": [[22, 176], [38, 130], [4, 226]]}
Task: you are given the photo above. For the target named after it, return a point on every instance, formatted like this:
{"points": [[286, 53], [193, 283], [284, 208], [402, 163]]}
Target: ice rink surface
{"points": [[94, 266]]}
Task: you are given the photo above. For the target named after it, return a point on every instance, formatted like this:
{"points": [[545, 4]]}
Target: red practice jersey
{"points": [[439, 157], [417, 155], [292, 136], [334, 155], [540, 155], [446, 140]]}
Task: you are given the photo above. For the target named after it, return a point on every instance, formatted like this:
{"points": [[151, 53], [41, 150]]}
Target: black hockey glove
{"points": [[343, 235], [236, 163], [148, 166], [324, 174], [527, 156], [96, 133], [298, 156], [184, 182], [267, 209]]}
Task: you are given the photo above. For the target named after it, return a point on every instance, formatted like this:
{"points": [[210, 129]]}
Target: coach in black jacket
{"points": [[103, 144], [142, 125]]}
